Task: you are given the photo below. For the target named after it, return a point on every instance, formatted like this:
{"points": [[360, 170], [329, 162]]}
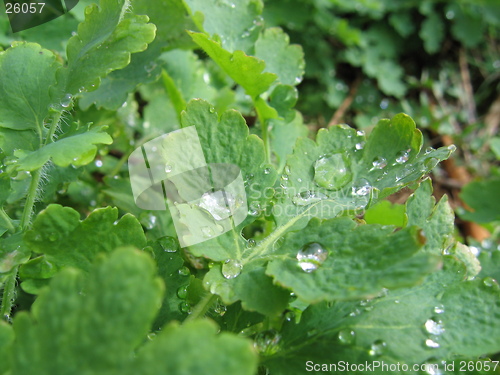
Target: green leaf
{"points": [[436, 220], [386, 213], [445, 317], [236, 23], [482, 198], [228, 141], [203, 352], [123, 287], [78, 150], [338, 264], [13, 251], [104, 42], [25, 87], [432, 32], [247, 71], [283, 59], [59, 234], [495, 146], [6, 341], [467, 27]]}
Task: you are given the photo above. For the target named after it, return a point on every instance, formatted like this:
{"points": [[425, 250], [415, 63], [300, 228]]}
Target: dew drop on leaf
{"points": [[184, 271], [219, 204], [308, 197], [182, 292], [311, 256], [379, 163], [267, 170], [347, 336], [361, 188], [168, 244], [438, 309], [377, 348], [251, 243], [185, 307], [207, 232], [332, 171], [434, 327], [231, 268], [66, 100], [403, 156], [168, 168], [431, 344], [490, 282]]}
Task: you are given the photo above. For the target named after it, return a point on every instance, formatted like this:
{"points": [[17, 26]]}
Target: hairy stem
{"points": [[202, 307], [30, 200], [53, 126], [9, 294]]}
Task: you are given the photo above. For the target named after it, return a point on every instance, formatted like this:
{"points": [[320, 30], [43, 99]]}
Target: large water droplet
{"points": [[168, 168], [379, 163], [231, 268], [184, 271], [267, 342], [490, 282], [377, 348], [182, 291], [433, 327], [185, 307], [361, 188], [168, 244], [403, 156], [332, 171], [66, 100], [219, 204], [311, 256], [346, 336], [308, 197]]}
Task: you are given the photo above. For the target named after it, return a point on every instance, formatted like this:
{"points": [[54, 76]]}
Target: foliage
{"points": [[325, 267]]}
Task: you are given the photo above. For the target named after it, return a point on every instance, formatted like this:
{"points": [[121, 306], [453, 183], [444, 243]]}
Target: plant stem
{"points": [[55, 121], [30, 200], [9, 294], [7, 220], [202, 307]]}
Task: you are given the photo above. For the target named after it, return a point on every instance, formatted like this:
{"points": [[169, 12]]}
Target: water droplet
{"points": [[452, 148], [332, 171], [347, 336], [267, 170], [185, 307], [438, 309], [431, 343], [211, 110], [379, 163], [299, 179], [267, 342], [377, 348], [308, 197], [284, 177], [360, 133], [66, 100], [168, 168], [490, 282], [403, 156], [289, 316], [433, 327], [361, 188], [207, 232], [311, 256], [360, 145], [430, 163], [428, 150], [184, 271], [168, 244], [251, 243], [182, 291], [98, 163], [231, 268], [219, 204]]}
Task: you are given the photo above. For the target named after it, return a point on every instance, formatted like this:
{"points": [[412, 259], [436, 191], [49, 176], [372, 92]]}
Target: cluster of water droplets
{"points": [[434, 327], [311, 256]]}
